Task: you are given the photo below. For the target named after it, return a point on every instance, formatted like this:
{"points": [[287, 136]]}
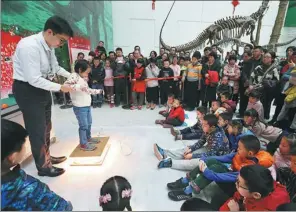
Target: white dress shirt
{"points": [[35, 62]]}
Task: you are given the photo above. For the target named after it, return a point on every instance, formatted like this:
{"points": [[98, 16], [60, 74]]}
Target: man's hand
{"points": [[187, 151], [233, 205], [202, 166], [188, 156], [66, 88]]}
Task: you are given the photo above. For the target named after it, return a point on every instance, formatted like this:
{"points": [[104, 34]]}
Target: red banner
{"points": [[8, 46], [76, 45]]}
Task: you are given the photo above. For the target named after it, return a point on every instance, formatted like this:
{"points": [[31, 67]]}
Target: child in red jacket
{"points": [[256, 191], [176, 116], [139, 85]]}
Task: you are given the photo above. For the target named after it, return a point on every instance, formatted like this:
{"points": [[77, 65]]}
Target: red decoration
{"points": [[234, 3], [153, 4]]}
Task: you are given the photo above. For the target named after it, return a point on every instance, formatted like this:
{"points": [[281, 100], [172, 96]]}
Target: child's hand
{"points": [[187, 151], [133, 79], [188, 156], [233, 205], [202, 166], [102, 91]]}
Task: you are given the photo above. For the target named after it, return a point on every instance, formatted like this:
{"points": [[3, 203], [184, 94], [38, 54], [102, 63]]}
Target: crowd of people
{"points": [[250, 157]]}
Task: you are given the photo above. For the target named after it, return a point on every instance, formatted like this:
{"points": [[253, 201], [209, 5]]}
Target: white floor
{"points": [[129, 131]]}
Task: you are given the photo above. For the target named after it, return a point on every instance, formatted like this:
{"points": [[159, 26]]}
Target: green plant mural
{"points": [[291, 14], [91, 19]]}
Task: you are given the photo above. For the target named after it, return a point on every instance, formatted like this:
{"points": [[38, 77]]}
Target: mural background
{"points": [[91, 20]]}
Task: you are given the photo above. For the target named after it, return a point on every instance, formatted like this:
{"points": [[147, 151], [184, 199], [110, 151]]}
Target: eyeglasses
{"points": [[62, 40], [238, 185]]}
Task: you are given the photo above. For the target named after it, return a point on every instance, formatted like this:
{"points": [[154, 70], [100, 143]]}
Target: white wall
{"points": [[135, 23]]}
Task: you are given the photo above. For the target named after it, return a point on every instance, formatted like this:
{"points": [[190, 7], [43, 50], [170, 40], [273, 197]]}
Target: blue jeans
{"points": [[83, 115], [98, 98]]}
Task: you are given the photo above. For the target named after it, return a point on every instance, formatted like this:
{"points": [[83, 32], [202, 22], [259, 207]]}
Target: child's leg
{"points": [[100, 96], [155, 95], [185, 130], [162, 95], [134, 95], [108, 93], [112, 94], [95, 96], [82, 117], [141, 98], [89, 122], [191, 136], [173, 121]]}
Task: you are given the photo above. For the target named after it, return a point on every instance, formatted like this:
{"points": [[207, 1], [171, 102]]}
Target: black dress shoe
{"points": [[57, 160], [51, 172]]}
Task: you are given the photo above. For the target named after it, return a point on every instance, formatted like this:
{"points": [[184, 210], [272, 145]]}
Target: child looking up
{"points": [[115, 194], [194, 132], [254, 103], [215, 169], [216, 108], [282, 156], [176, 116], [188, 158], [81, 100], [19, 191], [256, 191], [269, 136]]}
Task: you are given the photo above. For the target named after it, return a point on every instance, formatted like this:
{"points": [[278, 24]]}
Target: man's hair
{"points": [[211, 119], [249, 53], [13, 136], [251, 143], [80, 53], [111, 52], [59, 26], [249, 45], [166, 60], [258, 47], [217, 101], [96, 58], [207, 49], [226, 94], [214, 45], [226, 116], [202, 110], [258, 179], [118, 49], [195, 204]]}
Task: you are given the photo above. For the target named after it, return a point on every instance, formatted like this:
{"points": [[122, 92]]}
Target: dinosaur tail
{"points": [[260, 11], [167, 47]]}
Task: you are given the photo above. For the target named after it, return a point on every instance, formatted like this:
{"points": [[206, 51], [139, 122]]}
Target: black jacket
{"points": [[166, 72], [98, 74], [120, 69]]}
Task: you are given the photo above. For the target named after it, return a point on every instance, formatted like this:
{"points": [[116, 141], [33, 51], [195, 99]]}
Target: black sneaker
{"points": [[178, 184], [165, 163], [179, 195]]}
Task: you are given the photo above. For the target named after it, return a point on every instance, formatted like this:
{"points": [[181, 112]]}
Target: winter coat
{"points": [[139, 85], [152, 73], [234, 139], [97, 75], [276, 198], [177, 113], [233, 73]]}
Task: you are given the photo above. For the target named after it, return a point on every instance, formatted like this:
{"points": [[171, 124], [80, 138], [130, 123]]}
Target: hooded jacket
{"points": [[276, 198], [234, 139], [22, 192]]}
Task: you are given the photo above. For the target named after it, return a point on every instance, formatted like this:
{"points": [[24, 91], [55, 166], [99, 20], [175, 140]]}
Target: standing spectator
{"points": [[177, 70], [139, 85], [97, 77], [152, 92], [165, 84]]}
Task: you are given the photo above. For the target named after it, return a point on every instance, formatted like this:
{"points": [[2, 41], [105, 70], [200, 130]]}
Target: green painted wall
{"points": [[92, 19], [291, 15]]}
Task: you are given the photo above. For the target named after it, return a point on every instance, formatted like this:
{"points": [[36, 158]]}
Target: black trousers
{"points": [[266, 99], [279, 100], [152, 95], [165, 90], [176, 89], [35, 105], [192, 95], [120, 90], [243, 99]]}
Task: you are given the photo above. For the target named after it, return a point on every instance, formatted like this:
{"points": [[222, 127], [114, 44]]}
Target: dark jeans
{"points": [[266, 100], [35, 105], [191, 134], [176, 89], [120, 89], [192, 95], [165, 90], [243, 100], [152, 94], [279, 100], [98, 98], [173, 121], [110, 94], [83, 115]]}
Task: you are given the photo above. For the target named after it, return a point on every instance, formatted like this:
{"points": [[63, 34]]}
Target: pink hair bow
{"points": [[104, 199], [126, 193]]}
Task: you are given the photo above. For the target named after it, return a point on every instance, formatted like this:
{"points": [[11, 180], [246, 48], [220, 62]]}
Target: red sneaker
{"points": [[111, 105], [139, 107]]}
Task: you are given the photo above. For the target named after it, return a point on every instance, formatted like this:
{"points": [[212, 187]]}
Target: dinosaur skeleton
{"points": [[228, 28]]}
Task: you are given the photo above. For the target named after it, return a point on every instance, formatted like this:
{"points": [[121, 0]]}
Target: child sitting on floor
{"points": [[235, 131], [227, 103], [269, 136], [216, 108], [19, 191], [287, 175], [176, 116], [223, 120], [194, 132], [188, 158], [115, 194], [255, 103], [81, 100], [216, 168], [256, 191], [165, 113], [195, 204], [282, 156]]}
